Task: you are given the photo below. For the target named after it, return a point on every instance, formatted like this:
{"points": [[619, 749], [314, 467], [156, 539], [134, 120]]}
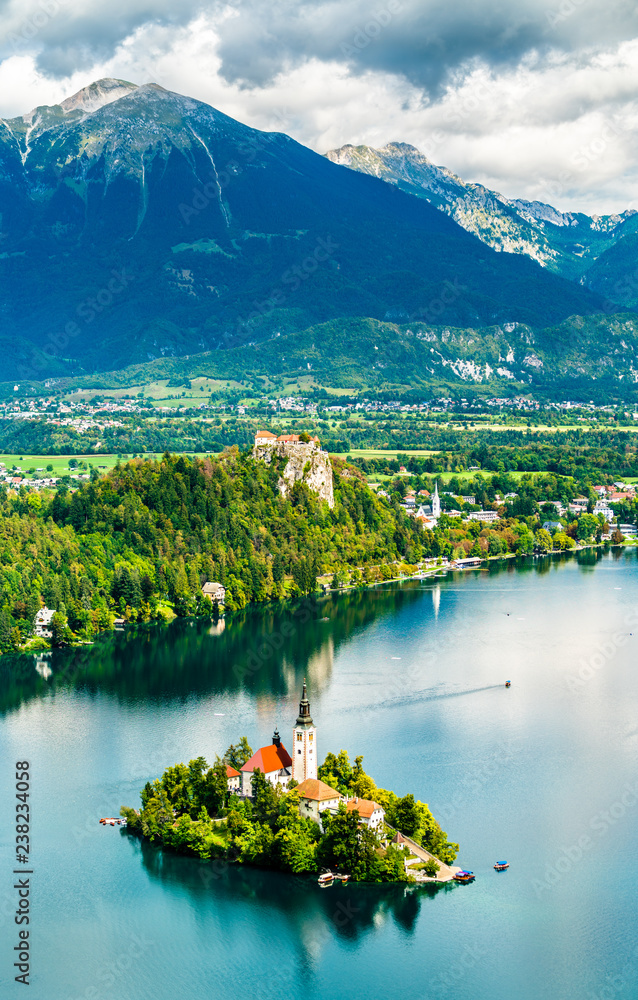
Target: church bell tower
{"points": [[304, 742]]}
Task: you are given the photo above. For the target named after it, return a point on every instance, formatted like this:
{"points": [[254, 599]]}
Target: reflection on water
{"points": [[410, 676], [265, 651], [341, 911]]}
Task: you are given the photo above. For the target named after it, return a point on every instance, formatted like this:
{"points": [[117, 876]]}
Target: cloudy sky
{"points": [[535, 98]]}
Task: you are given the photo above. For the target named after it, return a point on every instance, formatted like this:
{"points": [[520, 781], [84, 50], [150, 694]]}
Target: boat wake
{"points": [[429, 695]]}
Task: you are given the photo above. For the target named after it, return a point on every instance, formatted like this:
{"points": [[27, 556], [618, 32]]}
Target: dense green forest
{"points": [[140, 541], [153, 531], [190, 810]]}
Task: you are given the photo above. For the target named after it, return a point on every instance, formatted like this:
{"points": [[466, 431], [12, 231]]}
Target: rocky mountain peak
{"points": [[97, 94]]}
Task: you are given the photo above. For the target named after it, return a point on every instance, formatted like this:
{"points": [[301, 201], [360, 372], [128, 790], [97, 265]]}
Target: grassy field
{"points": [[60, 463], [382, 453]]}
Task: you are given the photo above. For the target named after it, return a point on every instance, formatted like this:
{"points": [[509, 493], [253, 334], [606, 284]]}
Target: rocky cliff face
{"points": [[564, 242], [306, 462]]}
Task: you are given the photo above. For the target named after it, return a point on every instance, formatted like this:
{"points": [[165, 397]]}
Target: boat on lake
{"points": [[112, 821], [464, 877], [326, 879], [342, 878], [500, 866]]}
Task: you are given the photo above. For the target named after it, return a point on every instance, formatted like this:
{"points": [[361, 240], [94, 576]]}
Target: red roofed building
{"points": [[233, 779], [370, 813], [265, 437], [315, 797], [618, 496], [273, 761]]}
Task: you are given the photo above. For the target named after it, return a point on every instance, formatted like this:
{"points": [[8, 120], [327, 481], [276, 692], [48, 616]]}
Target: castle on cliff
{"points": [[305, 462]]}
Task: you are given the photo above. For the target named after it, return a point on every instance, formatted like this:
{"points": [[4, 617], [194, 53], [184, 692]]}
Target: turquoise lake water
{"points": [[543, 774]]}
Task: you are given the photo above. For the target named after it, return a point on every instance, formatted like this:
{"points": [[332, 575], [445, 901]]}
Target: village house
{"points": [[265, 438], [316, 797], [370, 813], [233, 780], [42, 623], [552, 526], [601, 507], [488, 516], [215, 591]]}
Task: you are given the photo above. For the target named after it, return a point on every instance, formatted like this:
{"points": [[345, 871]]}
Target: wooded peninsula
{"points": [[138, 543]]}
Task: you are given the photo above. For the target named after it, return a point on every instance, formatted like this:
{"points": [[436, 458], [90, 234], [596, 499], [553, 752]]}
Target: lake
{"points": [[411, 676]]}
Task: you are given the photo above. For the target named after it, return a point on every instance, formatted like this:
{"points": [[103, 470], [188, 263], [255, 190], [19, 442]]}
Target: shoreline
{"points": [[308, 878], [430, 573]]}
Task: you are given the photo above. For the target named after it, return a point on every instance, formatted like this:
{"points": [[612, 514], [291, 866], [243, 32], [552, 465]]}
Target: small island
{"points": [[272, 809]]}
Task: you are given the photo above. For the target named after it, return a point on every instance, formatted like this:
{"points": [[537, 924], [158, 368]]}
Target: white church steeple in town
{"points": [[436, 503], [304, 742]]}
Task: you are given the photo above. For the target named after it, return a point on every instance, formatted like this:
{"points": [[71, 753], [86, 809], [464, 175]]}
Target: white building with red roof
{"points": [[273, 761], [265, 438], [315, 797], [233, 780], [370, 813]]}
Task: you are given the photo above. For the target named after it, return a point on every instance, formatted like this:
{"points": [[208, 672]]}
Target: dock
{"points": [[446, 873]]}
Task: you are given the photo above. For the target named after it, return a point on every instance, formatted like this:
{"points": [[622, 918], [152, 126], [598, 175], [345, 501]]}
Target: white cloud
{"points": [[559, 126]]}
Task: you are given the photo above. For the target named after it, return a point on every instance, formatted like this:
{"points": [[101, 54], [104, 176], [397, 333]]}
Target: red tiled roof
{"points": [[319, 791], [365, 807], [266, 434], [231, 772], [288, 437], [269, 759]]}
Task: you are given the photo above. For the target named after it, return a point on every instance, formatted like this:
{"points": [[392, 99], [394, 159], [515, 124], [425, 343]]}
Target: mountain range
{"points": [[139, 224], [599, 252]]}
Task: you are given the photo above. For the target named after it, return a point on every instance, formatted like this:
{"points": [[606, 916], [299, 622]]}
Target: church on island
{"points": [[280, 768]]}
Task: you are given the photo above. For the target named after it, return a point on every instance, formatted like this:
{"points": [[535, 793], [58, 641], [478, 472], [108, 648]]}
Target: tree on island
{"points": [[236, 756], [405, 814], [183, 808], [346, 845]]}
